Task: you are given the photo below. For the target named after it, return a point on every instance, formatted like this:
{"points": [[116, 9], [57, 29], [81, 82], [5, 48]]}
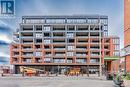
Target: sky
{"points": [[112, 8]]}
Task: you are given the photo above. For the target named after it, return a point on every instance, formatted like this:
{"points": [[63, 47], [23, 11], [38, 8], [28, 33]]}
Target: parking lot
{"points": [[60, 81]]}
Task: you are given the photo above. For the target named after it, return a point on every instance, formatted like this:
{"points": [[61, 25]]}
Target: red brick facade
{"points": [[127, 30]]}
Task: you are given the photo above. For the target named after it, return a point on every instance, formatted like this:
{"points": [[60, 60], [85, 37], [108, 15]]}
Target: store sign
{"points": [[7, 8]]}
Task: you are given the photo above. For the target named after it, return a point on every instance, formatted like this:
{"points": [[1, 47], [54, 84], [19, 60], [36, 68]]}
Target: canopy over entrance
{"points": [[111, 58]]}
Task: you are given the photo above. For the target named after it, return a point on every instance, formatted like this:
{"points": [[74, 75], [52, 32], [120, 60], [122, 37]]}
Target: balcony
{"points": [[95, 55], [69, 61], [95, 49], [27, 41], [82, 34], [59, 55], [81, 55], [27, 49], [38, 60], [71, 48], [25, 60], [59, 60], [47, 41], [47, 60], [48, 55], [59, 48], [16, 33], [38, 54], [58, 28], [58, 34], [28, 55], [39, 35], [27, 28], [59, 42], [94, 61], [82, 61], [15, 49], [70, 54], [70, 35], [15, 39], [16, 55], [47, 28]]}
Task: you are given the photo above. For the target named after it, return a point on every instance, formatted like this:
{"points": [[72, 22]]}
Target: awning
{"points": [[111, 58]]}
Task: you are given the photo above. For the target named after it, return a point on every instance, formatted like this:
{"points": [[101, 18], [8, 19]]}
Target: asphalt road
{"points": [[54, 82]]}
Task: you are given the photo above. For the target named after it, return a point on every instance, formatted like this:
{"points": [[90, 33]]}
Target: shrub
{"points": [[127, 77]]}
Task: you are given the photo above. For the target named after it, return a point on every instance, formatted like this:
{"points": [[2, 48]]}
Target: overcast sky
{"points": [[112, 8]]}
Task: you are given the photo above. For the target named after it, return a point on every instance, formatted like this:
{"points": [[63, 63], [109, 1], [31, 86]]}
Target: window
{"points": [[116, 53], [38, 53], [47, 34], [47, 28], [39, 35], [38, 27], [59, 60], [27, 28], [70, 35], [76, 20], [55, 20], [117, 47], [92, 20], [38, 40], [80, 60], [71, 28], [70, 53], [94, 60], [35, 21], [37, 46], [47, 47], [71, 48], [104, 21], [27, 60], [69, 60], [47, 60], [46, 41], [70, 40], [116, 41]]}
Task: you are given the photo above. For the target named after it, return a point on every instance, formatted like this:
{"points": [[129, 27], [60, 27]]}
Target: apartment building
{"points": [[60, 43]]}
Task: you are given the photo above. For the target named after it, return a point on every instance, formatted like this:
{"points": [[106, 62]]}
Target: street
{"points": [[54, 82]]}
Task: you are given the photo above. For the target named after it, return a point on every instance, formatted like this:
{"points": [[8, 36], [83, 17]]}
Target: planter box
{"points": [[127, 83]]}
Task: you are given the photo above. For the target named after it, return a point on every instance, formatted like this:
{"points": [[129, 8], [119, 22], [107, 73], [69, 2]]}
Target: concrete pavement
{"points": [[60, 81]]}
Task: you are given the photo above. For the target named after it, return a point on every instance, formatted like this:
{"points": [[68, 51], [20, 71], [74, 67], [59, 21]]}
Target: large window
{"points": [[70, 53], [70, 47], [35, 21], [69, 35], [55, 20], [47, 28], [59, 60], [94, 60], [39, 35], [76, 20], [38, 53], [92, 20], [116, 53], [46, 41], [80, 60], [47, 60]]}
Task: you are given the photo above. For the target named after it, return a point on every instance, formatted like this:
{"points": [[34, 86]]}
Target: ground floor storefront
{"points": [[112, 64], [59, 69]]}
